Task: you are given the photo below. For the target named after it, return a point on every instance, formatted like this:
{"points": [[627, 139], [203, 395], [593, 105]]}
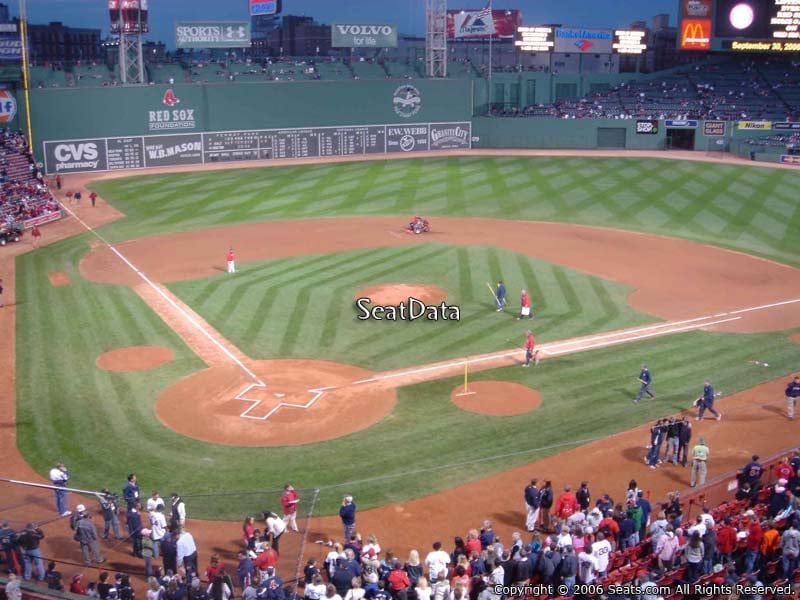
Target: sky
{"points": [[408, 15]]}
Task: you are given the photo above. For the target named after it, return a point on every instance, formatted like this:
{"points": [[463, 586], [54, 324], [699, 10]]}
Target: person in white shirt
{"points": [[275, 527], [495, 578], [587, 565], [155, 501], [564, 539], [331, 558], [187, 552], [158, 526], [219, 590], [699, 526], [372, 544], [423, 590], [316, 589], [59, 477], [601, 550], [437, 561], [707, 518], [441, 589]]}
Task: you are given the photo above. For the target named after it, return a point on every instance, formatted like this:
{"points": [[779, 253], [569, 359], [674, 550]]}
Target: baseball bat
{"points": [[491, 289]]}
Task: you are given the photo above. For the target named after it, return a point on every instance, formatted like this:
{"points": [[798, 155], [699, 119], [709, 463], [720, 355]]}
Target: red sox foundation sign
{"points": [[176, 118]]}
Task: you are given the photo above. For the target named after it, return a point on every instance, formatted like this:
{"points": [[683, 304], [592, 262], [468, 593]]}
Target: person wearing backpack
{"points": [[569, 569]]}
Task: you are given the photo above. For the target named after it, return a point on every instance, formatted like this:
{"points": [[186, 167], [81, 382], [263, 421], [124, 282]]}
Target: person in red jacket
{"points": [[610, 528], [36, 234], [567, 504], [525, 306], [726, 541], [268, 558], [783, 470], [398, 579], [754, 535], [230, 258], [530, 352], [289, 501]]}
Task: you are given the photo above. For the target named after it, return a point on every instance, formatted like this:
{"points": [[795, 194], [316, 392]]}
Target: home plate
{"points": [[277, 395]]}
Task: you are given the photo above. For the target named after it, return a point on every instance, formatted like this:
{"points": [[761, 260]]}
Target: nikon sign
{"points": [[359, 35], [212, 34]]}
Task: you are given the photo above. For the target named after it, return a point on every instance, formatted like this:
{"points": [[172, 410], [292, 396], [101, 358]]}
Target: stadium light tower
{"points": [[436, 38], [129, 19]]}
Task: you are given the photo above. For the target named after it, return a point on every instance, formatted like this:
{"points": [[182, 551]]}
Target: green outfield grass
{"points": [[741, 207], [303, 306], [102, 423]]}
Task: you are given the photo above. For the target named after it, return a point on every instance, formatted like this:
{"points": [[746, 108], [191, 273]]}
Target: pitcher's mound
{"points": [[134, 358], [496, 398], [392, 294]]}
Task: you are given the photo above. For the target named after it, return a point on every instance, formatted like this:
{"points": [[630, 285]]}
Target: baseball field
{"points": [[149, 357]]}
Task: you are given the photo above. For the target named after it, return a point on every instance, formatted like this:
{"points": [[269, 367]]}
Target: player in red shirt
{"points": [[289, 500], [35, 235], [530, 353], [525, 306], [231, 261]]}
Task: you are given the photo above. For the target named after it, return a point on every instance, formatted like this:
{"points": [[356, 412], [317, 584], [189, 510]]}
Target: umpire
{"points": [[792, 394]]}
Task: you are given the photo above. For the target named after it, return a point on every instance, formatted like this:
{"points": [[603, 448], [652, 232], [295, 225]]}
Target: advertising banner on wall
{"points": [[363, 35], [695, 34], [646, 127], [142, 152], [714, 128], [755, 124], [471, 24], [590, 41], [790, 159], [212, 34]]}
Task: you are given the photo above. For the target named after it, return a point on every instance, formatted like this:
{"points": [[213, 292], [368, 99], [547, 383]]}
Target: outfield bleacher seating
{"points": [[47, 77], [366, 69]]}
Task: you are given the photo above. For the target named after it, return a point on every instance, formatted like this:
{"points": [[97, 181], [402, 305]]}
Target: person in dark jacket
{"points": [[532, 498], [131, 491], [135, 528], [524, 567], [347, 513], [29, 543], [169, 552], [684, 437], [584, 496], [245, 569], [569, 569], [341, 578], [792, 393], [8, 544], [509, 568], [108, 502], [546, 503]]}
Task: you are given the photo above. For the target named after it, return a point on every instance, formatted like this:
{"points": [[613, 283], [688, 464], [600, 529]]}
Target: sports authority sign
{"points": [[591, 41], [363, 35], [212, 34]]}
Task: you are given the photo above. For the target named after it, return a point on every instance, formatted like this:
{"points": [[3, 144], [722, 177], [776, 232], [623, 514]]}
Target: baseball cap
{"points": [[80, 508], [749, 513]]}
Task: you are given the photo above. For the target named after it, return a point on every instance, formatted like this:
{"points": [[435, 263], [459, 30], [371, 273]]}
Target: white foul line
{"points": [[546, 348], [169, 300]]}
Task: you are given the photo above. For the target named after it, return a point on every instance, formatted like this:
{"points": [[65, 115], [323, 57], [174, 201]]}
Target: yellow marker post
{"points": [[466, 391]]}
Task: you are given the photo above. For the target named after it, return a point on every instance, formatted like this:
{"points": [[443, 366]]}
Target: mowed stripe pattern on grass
{"points": [[745, 208], [305, 306]]}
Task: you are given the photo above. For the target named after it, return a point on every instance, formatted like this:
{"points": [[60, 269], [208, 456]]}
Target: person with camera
{"points": [[110, 506]]}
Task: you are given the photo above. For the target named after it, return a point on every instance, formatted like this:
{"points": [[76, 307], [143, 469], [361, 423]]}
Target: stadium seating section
{"points": [[23, 195]]}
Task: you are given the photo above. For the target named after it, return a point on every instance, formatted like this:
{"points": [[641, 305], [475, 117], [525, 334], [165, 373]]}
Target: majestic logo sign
{"points": [[647, 127], [8, 106], [407, 101], [696, 34], [171, 119], [363, 35]]}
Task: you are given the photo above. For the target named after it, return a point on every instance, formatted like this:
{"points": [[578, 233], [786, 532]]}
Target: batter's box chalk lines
{"points": [[316, 394]]}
